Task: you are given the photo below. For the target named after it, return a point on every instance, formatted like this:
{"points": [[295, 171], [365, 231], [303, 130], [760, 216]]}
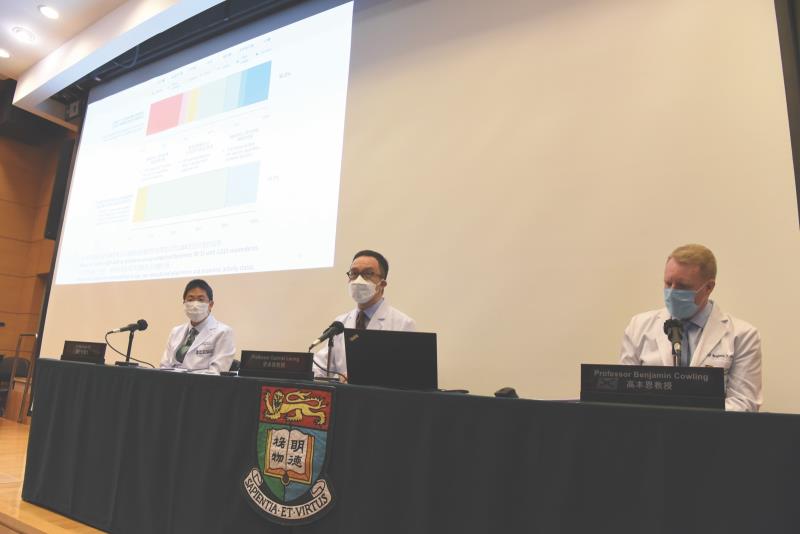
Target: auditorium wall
{"points": [[26, 181]]}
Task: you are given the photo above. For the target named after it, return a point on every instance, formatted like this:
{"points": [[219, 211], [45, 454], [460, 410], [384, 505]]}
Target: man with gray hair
{"points": [[711, 337]]}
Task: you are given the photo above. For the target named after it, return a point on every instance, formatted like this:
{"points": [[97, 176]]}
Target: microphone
{"points": [[674, 330], [141, 324], [336, 327]]}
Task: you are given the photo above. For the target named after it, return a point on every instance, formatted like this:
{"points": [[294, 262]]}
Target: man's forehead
{"points": [[365, 262], [197, 292], [681, 270]]}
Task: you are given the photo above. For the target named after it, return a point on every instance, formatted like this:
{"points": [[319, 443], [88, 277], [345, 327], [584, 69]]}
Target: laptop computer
{"points": [[275, 364], [84, 351], [402, 360]]}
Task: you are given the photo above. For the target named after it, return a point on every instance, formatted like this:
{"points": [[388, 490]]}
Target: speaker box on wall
{"points": [[56, 210]]}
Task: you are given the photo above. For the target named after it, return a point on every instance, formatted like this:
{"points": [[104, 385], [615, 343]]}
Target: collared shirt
{"points": [[211, 352], [200, 327], [693, 329], [369, 312]]}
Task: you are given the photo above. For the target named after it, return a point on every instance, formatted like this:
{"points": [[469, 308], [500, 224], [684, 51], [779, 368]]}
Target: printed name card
{"points": [[699, 387]]}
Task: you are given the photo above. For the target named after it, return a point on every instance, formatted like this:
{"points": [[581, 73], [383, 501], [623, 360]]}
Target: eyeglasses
{"points": [[352, 275]]}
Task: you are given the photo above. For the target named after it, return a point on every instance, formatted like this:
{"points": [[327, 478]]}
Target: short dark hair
{"points": [[202, 284], [384, 265]]}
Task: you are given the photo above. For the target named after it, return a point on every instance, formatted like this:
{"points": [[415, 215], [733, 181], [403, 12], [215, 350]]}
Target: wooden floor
{"points": [[15, 514]]}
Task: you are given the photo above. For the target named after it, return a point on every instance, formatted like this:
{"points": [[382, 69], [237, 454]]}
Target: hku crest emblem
{"points": [[287, 484]]}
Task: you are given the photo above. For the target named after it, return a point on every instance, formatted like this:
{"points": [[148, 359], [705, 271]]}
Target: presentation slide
{"points": [[229, 164]]}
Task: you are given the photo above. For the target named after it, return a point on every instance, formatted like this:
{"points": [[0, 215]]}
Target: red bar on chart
{"points": [[164, 114]]}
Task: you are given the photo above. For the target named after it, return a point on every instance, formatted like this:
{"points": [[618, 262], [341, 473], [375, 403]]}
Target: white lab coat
{"points": [[725, 342], [384, 318], [212, 350]]}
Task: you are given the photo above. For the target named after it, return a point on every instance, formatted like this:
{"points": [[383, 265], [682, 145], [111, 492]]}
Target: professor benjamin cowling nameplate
{"points": [[700, 387]]}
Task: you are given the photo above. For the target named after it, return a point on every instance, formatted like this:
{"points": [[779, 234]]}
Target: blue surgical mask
{"points": [[680, 302]]}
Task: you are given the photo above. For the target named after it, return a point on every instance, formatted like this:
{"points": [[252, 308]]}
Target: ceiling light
{"points": [[4, 53], [23, 34], [49, 12]]}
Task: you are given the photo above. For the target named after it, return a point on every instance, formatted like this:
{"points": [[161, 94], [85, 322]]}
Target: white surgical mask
{"points": [[361, 290], [195, 310]]}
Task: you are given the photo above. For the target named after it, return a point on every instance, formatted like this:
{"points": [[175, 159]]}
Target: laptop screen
{"points": [[403, 360], [84, 351]]}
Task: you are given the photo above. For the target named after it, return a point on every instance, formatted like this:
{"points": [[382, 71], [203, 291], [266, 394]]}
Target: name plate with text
{"points": [[84, 351], [698, 387], [273, 364]]}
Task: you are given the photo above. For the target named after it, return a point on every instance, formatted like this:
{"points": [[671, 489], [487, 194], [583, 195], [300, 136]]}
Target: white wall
{"points": [[527, 166]]}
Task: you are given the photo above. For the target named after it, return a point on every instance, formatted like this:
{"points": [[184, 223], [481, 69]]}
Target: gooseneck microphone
{"points": [[336, 327], [141, 324], [674, 330]]}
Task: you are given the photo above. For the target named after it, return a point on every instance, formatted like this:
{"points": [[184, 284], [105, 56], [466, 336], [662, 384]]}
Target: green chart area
{"points": [[198, 193]]}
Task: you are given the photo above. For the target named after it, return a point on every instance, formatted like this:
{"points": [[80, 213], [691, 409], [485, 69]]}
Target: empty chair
{"points": [[6, 365]]}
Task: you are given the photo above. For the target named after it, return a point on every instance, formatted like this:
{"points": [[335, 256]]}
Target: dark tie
{"points": [[183, 349], [361, 320], [686, 350]]}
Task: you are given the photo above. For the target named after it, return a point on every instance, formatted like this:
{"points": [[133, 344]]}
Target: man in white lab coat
{"points": [[366, 285], [711, 337], [203, 345]]}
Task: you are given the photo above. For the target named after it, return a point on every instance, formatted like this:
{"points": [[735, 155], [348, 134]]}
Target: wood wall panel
{"points": [[21, 169], [15, 256], [26, 182], [39, 222], [16, 220], [17, 292], [11, 289], [17, 324], [41, 256]]}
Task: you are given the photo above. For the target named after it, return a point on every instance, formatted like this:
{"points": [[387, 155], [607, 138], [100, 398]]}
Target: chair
{"points": [[6, 382]]}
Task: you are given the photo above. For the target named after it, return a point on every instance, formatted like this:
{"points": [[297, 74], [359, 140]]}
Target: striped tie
{"points": [[183, 349]]}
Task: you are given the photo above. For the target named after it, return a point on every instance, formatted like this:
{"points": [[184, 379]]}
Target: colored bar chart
{"points": [[235, 91], [197, 193]]}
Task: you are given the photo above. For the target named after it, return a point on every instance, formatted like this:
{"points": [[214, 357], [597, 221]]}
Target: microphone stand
{"points": [[128, 362], [674, 330], [328, 361], [328, 377]]}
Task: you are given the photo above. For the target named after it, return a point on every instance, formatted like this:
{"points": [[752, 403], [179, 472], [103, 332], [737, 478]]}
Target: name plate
{"points": [[84, 351], [699, 387], [273, 364]]}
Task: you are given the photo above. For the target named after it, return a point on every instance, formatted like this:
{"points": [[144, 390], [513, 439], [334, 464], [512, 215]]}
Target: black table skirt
{"points": [[143, 451]]}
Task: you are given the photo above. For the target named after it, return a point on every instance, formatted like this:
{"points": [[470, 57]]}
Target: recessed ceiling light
{"points": [[49, 12], [4, 53], [23, 34]]}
